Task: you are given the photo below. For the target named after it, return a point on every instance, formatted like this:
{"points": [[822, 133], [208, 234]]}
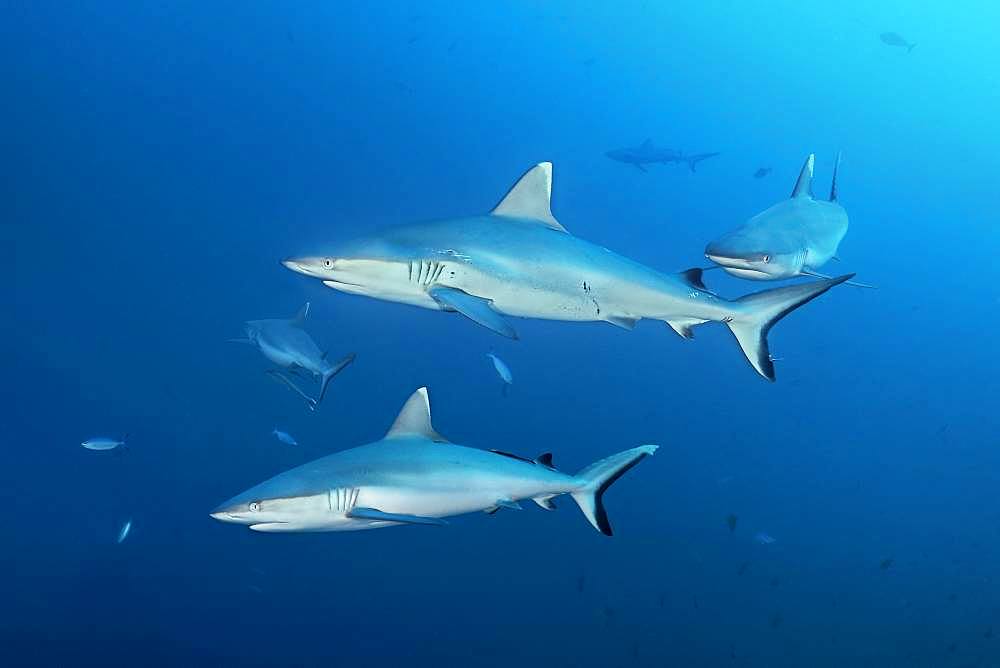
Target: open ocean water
{"points": [[161, 158]]}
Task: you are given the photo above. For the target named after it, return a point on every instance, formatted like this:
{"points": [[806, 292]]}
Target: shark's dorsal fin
{"points": [[833, 184], [300, 317], [803, 187], [415, 419], [531, 197], [545, 459]]}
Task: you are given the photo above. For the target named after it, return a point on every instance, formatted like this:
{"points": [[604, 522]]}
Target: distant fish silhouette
{"points": [[284, 437], [101, 443], [123, 532], [764, 539], [731, 522], [744, 567], [895, 39], [581, 584], [776, 620], [886, 564], [762, 172]]}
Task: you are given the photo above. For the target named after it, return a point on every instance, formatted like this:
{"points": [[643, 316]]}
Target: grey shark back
{"points": [[415, 476], [520, 261]]}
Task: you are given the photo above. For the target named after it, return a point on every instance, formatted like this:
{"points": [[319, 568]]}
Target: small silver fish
{"points": [[764, 539], [284, 437], [104, 443], [123, 532], [502, 369]]}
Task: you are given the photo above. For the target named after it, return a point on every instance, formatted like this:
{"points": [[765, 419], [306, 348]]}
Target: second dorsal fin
{"points": [[803, 187], [414, 420], [531, 198]]}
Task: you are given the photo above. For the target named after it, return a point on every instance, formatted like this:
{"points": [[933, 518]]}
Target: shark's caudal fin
{"points": [[760, 312], [596, 479], [803, 187], [333, 371]]}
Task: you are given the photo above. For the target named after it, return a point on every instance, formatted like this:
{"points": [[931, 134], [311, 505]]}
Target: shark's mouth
{"points": [[269, 526]]}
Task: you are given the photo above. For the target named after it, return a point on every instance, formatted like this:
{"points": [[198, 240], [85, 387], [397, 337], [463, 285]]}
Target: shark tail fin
{"points": [[329, 374], [596, 478], [761, 310]]}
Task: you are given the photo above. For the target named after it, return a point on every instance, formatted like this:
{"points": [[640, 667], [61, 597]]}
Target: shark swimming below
{"points": [[518, 260], [286, 343], [795, 237], [647, 153], [414, 476]]}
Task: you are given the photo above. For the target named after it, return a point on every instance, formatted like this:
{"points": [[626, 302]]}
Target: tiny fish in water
{"points": [[284, 437], [764, 539], [104, 443], [762, 172], [895, 39], [744, 567], [731, 522], [886, 564], [123, 532], [503, 371]]}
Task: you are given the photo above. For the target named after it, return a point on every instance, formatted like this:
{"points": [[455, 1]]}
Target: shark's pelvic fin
{"points": [[374, 514], [415, 419], [476, 309], [803, 187], [300, 317], [509, 504], [531, 197], [833, 184]]}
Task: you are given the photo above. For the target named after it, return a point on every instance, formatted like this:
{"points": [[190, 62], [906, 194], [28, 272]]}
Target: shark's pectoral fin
{"points": [[281, 378], [476, 309], [816, 274], [300, 316], [378, 515], [640, 167], [531, 198], [623, 321], [683, 326]]}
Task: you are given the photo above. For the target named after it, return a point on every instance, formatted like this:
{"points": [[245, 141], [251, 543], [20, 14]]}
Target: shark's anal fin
{"points": [[476, 309], [531, 197], [509, 504], [683, 326], [378, 515], [545, 502], [816, 274], [803, 187]]}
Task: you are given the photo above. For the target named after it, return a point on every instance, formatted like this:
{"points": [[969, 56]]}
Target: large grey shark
{"points": [[287, 344], [414, 476], [518, 260], [647, 153], [795, 237]]}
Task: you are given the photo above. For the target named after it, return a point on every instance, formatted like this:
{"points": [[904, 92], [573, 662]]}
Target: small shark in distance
{"points": [[518, 260], [895, 39], [286, 343], [415, 476], [647, 153], [795, 237]]}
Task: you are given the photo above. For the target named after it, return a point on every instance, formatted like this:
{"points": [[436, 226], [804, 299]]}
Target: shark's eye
{"points": [[328, 263], [766, 259], [254, 506]]}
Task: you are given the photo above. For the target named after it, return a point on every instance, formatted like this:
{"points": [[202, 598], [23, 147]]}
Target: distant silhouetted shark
{"points": [[518, 260], [895, 39], [415, 476], [647, 153], [795, 237]]}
